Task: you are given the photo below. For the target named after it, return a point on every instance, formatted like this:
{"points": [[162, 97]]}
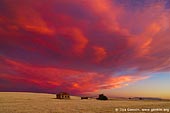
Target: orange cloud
{"points": [[122, 81]]}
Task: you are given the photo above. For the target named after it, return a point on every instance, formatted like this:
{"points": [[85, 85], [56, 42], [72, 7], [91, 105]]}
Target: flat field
{"points": [[18, 102]]}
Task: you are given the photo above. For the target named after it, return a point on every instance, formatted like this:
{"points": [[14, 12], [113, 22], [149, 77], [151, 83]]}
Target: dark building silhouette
{"points": [[84, 98], [62, 95]]}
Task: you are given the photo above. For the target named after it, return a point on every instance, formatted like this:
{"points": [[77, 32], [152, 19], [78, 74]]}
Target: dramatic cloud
{"points": [[50, 78], [81, 46]]}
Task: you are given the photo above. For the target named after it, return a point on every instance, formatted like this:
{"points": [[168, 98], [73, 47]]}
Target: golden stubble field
{"points": [[15, 102]]}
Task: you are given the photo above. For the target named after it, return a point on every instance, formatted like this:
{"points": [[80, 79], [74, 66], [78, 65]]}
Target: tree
{"points": [[102, 97]]}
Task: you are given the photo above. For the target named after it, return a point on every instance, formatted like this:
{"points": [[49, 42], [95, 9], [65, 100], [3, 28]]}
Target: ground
{"points": [[12, 102]]}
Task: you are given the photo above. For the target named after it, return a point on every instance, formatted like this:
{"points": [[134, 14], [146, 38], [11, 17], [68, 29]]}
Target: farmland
{"points": [[13, 102]]}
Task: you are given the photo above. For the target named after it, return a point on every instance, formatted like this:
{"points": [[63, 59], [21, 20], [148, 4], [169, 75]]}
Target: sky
{"points": [[86, 47]]}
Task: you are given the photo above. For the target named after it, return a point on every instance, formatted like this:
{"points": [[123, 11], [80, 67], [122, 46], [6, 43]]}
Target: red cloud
{"points": [[80, 46], [99, 54], [71, 40], [54, 79]]}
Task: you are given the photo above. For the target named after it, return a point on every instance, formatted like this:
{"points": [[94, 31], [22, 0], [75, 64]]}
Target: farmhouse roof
{"points": [[63, 93]]}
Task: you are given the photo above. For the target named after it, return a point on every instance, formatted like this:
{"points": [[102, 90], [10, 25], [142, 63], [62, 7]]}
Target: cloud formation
{"points": [[81, 46]]}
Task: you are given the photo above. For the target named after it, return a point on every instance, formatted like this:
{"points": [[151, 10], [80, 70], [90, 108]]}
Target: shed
{"points": [[62, 95]]}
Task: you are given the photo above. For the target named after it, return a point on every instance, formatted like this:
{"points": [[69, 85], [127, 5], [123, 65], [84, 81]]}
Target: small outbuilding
{"points": [[84, 98], [63, 95]]}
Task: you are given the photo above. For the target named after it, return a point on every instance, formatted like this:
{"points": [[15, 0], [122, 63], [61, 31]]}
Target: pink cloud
{"points": [[53, 78], [80, 46]]}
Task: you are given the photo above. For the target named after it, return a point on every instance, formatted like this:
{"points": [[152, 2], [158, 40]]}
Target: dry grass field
{"points": [[46, 103]]}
